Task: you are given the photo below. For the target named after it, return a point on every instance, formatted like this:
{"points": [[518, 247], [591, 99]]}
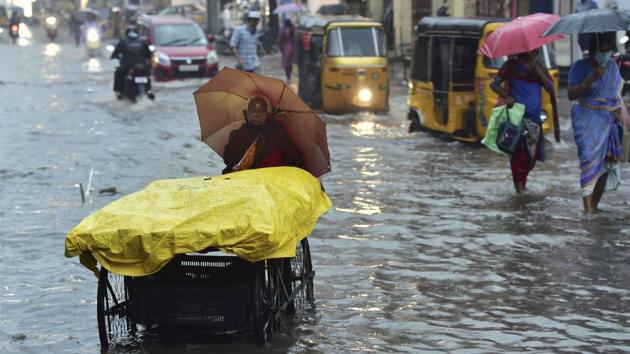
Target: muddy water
{"points": [[426, 249]]}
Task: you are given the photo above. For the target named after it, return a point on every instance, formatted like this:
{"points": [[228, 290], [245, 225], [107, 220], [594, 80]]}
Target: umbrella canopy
{"points": [[221, 101], [523, 34], [82, 15], [591, 21], [290, 8]]}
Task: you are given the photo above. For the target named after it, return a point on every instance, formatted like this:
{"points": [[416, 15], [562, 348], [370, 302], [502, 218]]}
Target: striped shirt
{"points": [[246, 43]]}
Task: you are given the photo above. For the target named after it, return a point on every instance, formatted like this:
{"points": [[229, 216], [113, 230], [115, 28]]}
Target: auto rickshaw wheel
{"points": [[416, 124], [112, 307]]}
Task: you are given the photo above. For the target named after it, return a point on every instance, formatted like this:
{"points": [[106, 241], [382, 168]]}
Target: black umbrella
{"points": [[591, 21], [82, 15]]}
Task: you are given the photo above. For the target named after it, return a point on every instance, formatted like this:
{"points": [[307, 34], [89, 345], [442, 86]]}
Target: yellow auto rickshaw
{"points": [[340, 64], [449, 87]]}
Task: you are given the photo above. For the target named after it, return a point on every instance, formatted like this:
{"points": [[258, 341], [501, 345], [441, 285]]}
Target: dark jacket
{"points": [[270, 136], [131, 52]]}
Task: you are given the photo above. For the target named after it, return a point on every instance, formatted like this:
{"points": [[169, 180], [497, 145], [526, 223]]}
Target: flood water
{"points": [[427, 248]]}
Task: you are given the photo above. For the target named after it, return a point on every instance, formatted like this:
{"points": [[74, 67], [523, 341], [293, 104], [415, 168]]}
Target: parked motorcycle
{"points": [[138, 83], [51, 26], [14, 32]]}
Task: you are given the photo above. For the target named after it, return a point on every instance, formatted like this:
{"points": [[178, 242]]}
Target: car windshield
{"points": [[545, 56], [356, 42], [179, 35]]}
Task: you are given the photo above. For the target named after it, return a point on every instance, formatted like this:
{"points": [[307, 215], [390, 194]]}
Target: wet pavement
{"points": [[427, 247]]}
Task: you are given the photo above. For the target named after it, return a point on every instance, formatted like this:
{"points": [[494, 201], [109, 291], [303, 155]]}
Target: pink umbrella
{"points": [[523, 34]]}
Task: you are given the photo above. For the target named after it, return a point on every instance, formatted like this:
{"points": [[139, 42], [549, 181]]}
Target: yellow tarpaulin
{"points": [[254, 214]]}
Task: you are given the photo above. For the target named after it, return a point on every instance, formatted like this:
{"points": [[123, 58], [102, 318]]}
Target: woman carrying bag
{"points": [[520, 80]]}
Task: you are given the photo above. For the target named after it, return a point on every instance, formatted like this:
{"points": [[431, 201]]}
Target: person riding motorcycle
{"points": [[131, 51], [14, 26]]}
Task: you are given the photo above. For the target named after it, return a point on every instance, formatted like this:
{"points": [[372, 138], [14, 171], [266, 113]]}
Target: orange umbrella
{"points": [[221, 101]]}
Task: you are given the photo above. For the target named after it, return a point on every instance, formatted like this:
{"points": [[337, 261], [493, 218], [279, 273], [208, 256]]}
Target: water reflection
{"points": [[364, 128], [93, 65], [25, 35], [52, 49]]}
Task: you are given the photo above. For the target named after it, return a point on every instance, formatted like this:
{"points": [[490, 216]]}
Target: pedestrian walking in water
{"points": [[244, 43], [595, 84], [75, 29], [520, 80], [286, 42]]}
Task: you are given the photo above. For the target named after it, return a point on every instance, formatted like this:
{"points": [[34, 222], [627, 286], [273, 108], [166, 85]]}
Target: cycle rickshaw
{"points": [[215, 294], [209, 256]]}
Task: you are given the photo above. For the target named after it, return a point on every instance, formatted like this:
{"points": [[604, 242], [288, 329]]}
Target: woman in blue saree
{"points": [[595, 83]]}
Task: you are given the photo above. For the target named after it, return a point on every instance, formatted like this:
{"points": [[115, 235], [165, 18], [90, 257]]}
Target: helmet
{"points": [[253, 15], [131, 32]]}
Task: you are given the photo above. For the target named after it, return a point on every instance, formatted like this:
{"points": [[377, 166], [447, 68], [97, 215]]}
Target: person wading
{"points": [[595, 84], [286, 43], [520, 80]]}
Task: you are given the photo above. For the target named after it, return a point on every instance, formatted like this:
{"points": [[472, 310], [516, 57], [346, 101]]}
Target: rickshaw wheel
{"points": [[112, 302], [300, 278], [270, 300], [262, 305]]}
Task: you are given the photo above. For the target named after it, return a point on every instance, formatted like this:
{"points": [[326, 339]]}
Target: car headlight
{"points": [[212, 57], [543, 116], [51, 21], [365, 95], [161, 58]]}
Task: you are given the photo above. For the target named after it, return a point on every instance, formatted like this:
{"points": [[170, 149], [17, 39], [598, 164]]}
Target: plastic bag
{"points": [[499, 115]]}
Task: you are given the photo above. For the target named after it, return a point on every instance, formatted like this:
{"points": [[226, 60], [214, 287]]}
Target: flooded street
{"points": [[427, 247]]}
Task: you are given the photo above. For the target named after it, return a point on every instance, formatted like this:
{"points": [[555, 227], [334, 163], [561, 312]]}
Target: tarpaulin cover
{"points": [[499, 115], [255, 214]]}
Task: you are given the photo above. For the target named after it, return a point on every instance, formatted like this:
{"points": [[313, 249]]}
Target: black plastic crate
{"points": [[204, 292]]}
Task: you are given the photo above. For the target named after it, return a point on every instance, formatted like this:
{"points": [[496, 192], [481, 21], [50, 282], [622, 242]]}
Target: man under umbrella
{"points": [[260, 142]]}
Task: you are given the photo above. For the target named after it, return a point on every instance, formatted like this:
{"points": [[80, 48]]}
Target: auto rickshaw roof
{"points": [[309, 22], [455, 25]]}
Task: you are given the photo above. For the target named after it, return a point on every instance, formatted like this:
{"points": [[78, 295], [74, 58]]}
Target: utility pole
{"points": [[213, 9]]}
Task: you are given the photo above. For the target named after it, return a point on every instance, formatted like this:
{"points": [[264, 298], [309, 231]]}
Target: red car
{"points": [[181, 47]]}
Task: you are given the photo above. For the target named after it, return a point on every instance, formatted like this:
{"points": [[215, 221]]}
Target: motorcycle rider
{"points": [[51, 25], [14, 21], [131, 51]]}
